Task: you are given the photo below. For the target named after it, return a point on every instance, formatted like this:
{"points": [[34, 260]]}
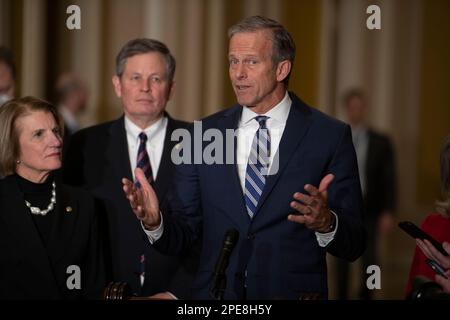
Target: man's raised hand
{"points": [[313, 208], [143, 200]]}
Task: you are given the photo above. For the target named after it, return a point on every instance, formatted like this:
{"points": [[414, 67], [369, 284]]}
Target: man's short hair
{"points": [[7, 58], [282, 42], [353, 93], [142, 46]]}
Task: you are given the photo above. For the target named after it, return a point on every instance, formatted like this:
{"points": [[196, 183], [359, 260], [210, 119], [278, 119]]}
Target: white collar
{"points": [[278, 114], [133, 130]]}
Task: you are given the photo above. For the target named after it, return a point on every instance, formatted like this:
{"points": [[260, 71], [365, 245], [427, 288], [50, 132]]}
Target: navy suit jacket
{"points": [[281, 259], [97, 159]]}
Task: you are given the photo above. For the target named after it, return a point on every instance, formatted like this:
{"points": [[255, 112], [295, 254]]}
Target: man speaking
{"points": [[293, 193]]}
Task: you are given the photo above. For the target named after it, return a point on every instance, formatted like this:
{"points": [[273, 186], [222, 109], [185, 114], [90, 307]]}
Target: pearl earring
{"points": [[18, 161]]}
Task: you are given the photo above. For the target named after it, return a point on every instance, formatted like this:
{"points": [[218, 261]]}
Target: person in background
{"points": [[7, 75], [49, 242], [437, 225], [377, 175], [71, 96]]}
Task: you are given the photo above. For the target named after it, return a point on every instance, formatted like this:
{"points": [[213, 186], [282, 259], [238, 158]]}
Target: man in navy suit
{"points": [[99, 156], [292, 191]]}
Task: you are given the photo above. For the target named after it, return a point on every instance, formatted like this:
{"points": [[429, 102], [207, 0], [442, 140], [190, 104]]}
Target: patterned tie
{"points": [[142, 270], [143, 161], [257, 167]]}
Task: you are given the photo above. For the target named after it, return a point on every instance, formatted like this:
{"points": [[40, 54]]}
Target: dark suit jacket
{"points": [[380, 176], [66, 139], [282, 259], [98, 159], [29, 270]]}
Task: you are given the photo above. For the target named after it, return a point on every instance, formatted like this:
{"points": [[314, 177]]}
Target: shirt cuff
{"points": [[154, 235], [324, 239]]}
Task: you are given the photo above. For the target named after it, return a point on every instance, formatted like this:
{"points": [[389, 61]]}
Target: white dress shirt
{"points": [[155, 142], [247, 128], [360, 137]]}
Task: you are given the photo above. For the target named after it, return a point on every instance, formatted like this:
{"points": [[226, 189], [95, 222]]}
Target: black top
{"points": [[39, 195], [28, 269]]}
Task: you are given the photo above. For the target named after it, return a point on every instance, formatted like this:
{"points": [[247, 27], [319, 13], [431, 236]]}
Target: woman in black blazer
{"points": [[49, 242]]}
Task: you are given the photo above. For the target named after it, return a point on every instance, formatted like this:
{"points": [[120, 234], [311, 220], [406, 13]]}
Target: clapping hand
{"points": [[143, 200]]}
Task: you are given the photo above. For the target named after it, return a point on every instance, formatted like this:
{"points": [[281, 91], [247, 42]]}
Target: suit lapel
{"points": [[297, 125], [229, 177], [165, 166], [66, 213], [117, 151]]}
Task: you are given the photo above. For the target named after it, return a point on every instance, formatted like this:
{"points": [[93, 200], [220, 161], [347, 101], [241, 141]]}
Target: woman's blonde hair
{"points": [[9, 133], [443, 206]]}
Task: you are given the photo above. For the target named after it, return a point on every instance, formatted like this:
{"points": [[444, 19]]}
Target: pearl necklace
{"points": [[37, 211]]}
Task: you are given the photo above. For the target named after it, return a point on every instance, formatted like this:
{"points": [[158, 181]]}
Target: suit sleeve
{"points": [[183, 222], [345, 199]]}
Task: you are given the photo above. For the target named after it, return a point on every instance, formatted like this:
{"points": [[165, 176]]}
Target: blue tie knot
{"points": [[262, 121], [143, 137]]}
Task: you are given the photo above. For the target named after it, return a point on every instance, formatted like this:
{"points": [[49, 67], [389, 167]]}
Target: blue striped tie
{"points": [[257, 167], [143, 161]]}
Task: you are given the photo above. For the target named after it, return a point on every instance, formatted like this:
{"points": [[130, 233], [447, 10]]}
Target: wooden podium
{"points": [[117, 291]]}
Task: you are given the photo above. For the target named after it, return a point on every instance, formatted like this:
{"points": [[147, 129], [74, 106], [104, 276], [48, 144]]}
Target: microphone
{"points": [[219, 280]]}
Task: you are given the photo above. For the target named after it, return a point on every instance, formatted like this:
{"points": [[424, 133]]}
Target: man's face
{"points": [[78, 101], [144, 87], [256, 82], [356, 111], [7, 86]]}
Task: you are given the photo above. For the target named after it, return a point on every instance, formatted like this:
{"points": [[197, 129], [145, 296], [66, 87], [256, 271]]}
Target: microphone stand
{"points": [[219, 278], [218, 291]]}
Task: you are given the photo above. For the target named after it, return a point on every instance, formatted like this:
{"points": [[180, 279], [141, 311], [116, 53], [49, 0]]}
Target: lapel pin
{"points": [[68, 209]]}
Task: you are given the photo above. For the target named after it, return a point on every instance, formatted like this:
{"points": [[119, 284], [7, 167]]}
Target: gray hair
{"points": [[444, 206], [141, 46], [282, 42]]}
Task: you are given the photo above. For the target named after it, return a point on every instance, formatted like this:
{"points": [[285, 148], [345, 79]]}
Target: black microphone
{"points": [[219, 280]]}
